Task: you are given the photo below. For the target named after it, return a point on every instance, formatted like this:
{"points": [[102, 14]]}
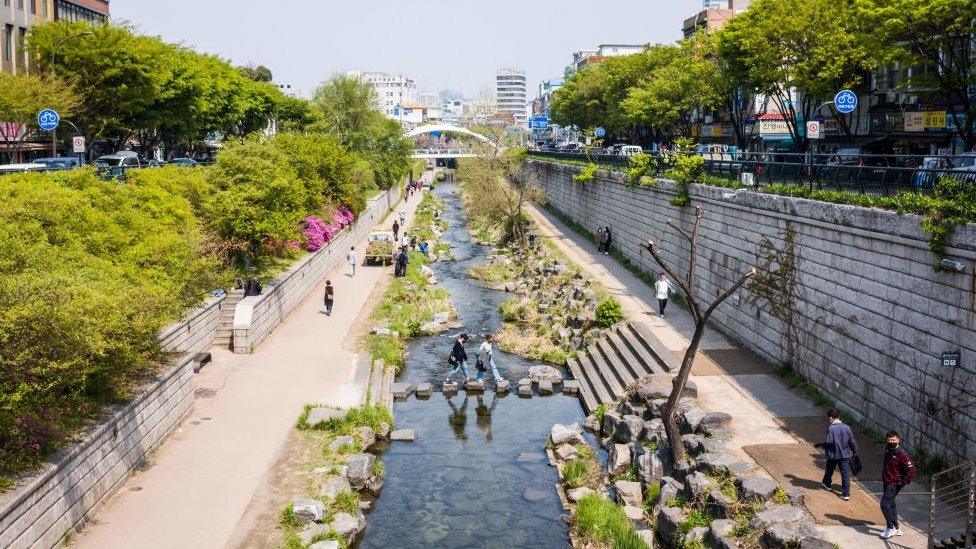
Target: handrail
{"points": [[953, 504]]}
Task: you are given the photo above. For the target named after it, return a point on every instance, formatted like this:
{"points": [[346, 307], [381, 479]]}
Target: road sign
{"points": [[813, 130], [950, 360], [538, 123], [845, 101], [600, 133], [48, 119], [78, 144]]}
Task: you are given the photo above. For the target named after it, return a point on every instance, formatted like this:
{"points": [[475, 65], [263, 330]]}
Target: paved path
{"points": [[772, 425], [198, 484]]}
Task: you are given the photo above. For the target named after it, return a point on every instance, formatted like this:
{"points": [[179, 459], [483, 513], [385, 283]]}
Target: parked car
{"points": [[929, 171], [630, 150], [965, 165], [185, 162], [19, 168], [59, 163], [120, 160]]}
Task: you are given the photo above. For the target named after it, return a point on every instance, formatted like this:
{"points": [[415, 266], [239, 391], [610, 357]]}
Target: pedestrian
{"points": [[487, 358], [600, 240], [413, 242], [839, 447], [608, 240], [396, 230], [351, 258], [329, 297], [403, 218], [425, 249], [437, 214], [662, 290], [402, 261], [458, 358], [896, 473]]}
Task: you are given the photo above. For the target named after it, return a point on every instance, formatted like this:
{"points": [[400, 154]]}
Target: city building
{"points": [[709, 19], [429, 99], [452, 111], [391, 91], [510, 94], [94, 11], [542, 104], [583, 58]]}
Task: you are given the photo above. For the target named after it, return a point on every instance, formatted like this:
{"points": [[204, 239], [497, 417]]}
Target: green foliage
{"points": [[371, 416], [598, 520], [652, 494], [574, 472], [288, 518], [641, 165], [25, 95], [346, 502], [601, 411], [687, 169], [587, 175], [609, 312]]}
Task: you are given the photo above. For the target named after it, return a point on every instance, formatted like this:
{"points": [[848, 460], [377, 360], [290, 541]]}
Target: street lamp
{"points": [[54, 53]]}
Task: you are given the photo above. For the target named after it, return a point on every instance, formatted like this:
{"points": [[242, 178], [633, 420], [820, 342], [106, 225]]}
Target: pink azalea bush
{"points": [[318, 233]]}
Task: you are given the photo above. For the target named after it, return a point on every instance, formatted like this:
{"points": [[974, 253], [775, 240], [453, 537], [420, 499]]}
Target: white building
{"points": [[429, 99], [510, 93], [583, 58], [391, 91]]}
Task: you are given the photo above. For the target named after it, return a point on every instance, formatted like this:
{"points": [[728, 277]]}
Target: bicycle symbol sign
{"points": [[845, 101], [48, 119]]}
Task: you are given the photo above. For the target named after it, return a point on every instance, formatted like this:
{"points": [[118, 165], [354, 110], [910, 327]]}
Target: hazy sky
{"points": [[443, 44]]}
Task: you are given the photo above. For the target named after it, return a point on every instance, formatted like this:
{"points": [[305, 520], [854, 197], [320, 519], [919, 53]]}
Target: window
{"points": [[33, 6], [20, 5], [8, 43]]}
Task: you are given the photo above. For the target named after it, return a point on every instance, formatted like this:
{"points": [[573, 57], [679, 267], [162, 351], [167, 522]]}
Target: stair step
{"points": [[586, 392], [606, 372], [638, 349], [590, 371], [665, 357], [634, 365], [620, 372]]}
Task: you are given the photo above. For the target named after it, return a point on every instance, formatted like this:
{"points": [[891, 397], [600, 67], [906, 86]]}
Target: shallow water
{"points": [[477, 475]]}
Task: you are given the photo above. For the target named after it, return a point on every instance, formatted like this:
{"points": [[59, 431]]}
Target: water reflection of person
{"points": [[458, 419], [483, 413]]}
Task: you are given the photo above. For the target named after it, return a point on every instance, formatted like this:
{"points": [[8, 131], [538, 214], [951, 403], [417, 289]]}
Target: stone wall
{"points": [[871, 316], [256, 316]]}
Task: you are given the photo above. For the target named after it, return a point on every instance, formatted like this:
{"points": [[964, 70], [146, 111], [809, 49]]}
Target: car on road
{"points": [[185, 162], [121, 160], [59, 163], [965, 166], [929, 171], [630, 150]]}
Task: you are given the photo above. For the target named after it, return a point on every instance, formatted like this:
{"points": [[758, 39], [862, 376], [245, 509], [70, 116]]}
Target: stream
{"points": [[476, 476]]}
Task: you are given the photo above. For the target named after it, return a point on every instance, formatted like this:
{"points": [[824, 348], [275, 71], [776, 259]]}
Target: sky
{"points": [[443, 44]]}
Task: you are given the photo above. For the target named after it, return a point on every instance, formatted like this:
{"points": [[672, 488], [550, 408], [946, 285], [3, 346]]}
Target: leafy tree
{"points": [[26, 95], [258, 73], [731, 84], [938, 35]]}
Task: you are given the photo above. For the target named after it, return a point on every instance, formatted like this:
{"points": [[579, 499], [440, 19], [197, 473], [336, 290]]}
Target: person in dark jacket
{"points": [[329, 298], [459, 358], [396, 230], [402, 261], [896, 473], [608, 240], [839, 447]]}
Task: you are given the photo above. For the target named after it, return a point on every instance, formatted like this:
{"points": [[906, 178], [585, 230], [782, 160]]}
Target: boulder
{"points": [[333, 486], [545, 387], [654, 431], [816, 542], [311, 531], [510, 287], [576, 494], [693, 443], [619, 459], [647, 536], [348, 526], [524, 381], [634, 513], [382, 330], [610, 420], [796, 495], [401, 390], [591, 424], [325, 544], [629, 493], [474, 385], [669, 520], [548, 373], [374, 485], [756, 487], [629, 429], [345, 442], [321, 414], [670, 489], [426, 271], [566, 452], [774, 514], [360, 470], [403, 435], [719, 464], [308, 510], [720, 505], [697, 486], [571, 387], [501, 386], [650, 469], [690, 419], [715, 420], [698, 534], [525, 390], [566, 434], [656, 407], [384, 430], [432, 327], [442, 317], [366, 436], [720, 534], [787, 534], [424, 390], [450, 387]]}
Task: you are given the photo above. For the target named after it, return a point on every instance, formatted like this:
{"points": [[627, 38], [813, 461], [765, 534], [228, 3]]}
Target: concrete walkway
{"points": [[773, 425], [197, 486]]}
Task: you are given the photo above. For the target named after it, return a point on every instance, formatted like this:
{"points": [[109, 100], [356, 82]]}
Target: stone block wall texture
{"points": [[270, 309], [871, 315]]}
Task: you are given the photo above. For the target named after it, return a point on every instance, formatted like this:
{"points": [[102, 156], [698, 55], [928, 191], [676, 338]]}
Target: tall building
{"points": [[18, 16], [390, 91], [716, 4], [95, 11], [510, 93]]}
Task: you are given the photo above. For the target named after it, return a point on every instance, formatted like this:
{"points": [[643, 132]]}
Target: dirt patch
{"points": [[727, 362]]}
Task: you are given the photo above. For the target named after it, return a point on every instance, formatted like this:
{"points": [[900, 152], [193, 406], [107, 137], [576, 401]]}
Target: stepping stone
{"points": [[322, 414], [424, 390], [571, 387], [403, 435], [525, 390], [472, 385], [545, 387], [501, 386], [450, 387], [401, 391], [524, 381]]}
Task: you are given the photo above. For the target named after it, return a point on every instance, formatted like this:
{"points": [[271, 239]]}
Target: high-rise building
{"points": [[510, 93], [18, 16], [390, 91], [429, 99], [716, 4]]}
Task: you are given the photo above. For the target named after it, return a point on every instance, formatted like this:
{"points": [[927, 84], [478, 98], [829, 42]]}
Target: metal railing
{"points": [[951, 507]]}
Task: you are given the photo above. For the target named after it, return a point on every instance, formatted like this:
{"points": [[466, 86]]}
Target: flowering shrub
{"points": [[318, 233]]}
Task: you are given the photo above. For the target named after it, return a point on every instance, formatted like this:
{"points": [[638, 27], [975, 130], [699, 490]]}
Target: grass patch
{"points": [[601, 411], [345, 502], [370, 415], [574, 472], [599, 521], [288, 520], [630, 474]]}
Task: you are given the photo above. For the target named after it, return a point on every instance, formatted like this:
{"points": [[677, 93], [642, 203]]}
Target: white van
{"points": [[630, 150]]}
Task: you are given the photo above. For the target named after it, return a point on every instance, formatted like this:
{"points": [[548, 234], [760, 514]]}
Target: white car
{"points": [[17, 168], [630, 150]]}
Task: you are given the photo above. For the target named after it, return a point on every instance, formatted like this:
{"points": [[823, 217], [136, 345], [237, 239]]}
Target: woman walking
{"points": [[329, 297], [601, 239], [486, 357], [607, 240]]}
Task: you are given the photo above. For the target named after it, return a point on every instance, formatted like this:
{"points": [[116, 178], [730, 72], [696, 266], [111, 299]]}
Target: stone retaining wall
{"points": [[871, 315], [256, 316]]}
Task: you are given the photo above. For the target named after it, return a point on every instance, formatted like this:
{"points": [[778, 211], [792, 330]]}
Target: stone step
{"points": [[637, 368], [586, 392], [665, 358], [638, 349], [600, 391], [621, 371], [606, 372]]}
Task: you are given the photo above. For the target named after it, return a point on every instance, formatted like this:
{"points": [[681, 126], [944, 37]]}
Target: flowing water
{"points": [[477, 475]]}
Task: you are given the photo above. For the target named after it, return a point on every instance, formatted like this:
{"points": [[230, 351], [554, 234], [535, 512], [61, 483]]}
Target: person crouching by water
{"points": [[458, 359], [486, 357]]}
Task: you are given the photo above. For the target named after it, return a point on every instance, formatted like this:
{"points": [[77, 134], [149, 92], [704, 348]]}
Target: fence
{"points": [[951, 508]]}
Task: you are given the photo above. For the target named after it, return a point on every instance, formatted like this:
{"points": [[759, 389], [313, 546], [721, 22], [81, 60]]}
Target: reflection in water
{"points": [[489, 487]]}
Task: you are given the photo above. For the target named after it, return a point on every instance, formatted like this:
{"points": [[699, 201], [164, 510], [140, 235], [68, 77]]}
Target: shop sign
{"points": [[773, 127], [830, 126], [935, 119], [914, 122], [718, 130]]}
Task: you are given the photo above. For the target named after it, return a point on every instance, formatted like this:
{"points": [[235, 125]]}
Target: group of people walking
{"points": [[604, 240], [485, 359]]}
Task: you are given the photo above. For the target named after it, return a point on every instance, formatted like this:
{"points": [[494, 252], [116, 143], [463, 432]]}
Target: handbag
{"points": [[480, 365], [856, 465]]}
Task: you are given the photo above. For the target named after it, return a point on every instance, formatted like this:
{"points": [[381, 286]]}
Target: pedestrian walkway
{"points": [[197, 486], [772, 425]]}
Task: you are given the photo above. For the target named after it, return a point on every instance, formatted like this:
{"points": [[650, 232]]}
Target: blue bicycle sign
{"points": [[600, 133], [48, 119], [845, 101]]}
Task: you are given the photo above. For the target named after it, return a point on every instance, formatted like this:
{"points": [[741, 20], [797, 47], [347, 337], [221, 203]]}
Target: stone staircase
{"points": [[627, 352], [224, 338]]}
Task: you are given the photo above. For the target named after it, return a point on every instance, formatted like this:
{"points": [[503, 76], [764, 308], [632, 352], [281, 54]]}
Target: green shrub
{"points": [[587, 174], [574, 472], [608, 312], [598, 520], [345, 502], [639, 166]]}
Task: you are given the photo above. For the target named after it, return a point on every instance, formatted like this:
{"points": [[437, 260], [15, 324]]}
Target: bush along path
{"points": [[710, 500], [556, 310], [347, 476]]}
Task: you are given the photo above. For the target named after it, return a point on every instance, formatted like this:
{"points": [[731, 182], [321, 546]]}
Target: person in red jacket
{"points": [[897, 472]]}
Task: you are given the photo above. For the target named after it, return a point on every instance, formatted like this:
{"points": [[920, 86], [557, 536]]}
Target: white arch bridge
{"points": [[447, 152]]}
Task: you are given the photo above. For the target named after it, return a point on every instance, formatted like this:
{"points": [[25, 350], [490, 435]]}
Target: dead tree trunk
{"points": [[700, 316]]}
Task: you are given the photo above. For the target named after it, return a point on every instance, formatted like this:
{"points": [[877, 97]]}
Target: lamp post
{"points": [[54, 53]]}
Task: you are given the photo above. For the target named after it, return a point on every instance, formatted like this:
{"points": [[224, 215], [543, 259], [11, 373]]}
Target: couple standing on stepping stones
{"points": [[459, 360]]}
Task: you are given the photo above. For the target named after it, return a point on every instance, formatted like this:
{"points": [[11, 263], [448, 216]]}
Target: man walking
{"points": [[351, 258], [329, 297], [403, 218], [839, 447], [396, 230], [896, 473], [459, 359], [601, 240], [662, 290]]}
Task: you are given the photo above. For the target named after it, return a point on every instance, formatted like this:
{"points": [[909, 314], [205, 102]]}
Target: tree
{"points": [[731, 84], [799, 54], [502, 184], [258, 73], [937, 35], [699, 314], [26, 95]]}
